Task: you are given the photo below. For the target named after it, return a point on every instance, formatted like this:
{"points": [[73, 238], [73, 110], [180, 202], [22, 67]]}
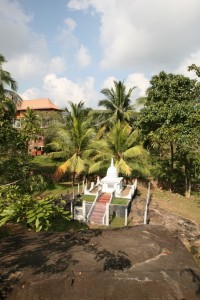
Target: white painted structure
{"points": [[113, 185], [111, 182]]}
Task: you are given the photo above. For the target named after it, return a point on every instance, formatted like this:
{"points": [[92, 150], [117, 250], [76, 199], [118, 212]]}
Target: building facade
{"points": [[44, 107]]}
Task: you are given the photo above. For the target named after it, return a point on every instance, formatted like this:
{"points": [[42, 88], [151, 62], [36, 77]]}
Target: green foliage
{"points": [[32, 184], [88, 198], [8, 98], [170, 124], [79, 134], [37, 214], [117, 222], [13, 154], [125, 146], [31, 124], [13, 148], [117, 103], [119, 201]]}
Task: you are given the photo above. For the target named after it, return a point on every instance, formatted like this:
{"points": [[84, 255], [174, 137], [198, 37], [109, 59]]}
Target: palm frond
{"points": [[136, 151], [95, 167], [123, 167]]}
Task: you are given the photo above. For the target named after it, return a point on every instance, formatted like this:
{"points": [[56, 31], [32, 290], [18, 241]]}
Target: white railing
{"points": [[89, 192], [105, 219], [132, 187], [147, 204], [78, 213], [94, 203]]}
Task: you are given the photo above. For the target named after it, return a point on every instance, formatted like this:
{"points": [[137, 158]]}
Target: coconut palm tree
{"points": [[117, 103], [78, 134], [31, 123], [8, 97], [124, 145]]}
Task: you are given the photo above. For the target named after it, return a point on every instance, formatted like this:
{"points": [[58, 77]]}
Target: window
{"points": [[17, 123]]}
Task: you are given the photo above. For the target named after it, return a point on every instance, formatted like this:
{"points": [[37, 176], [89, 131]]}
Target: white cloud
{"points": [[26, 65], [140, 82], [71, 24], [194, 58], [57, 65], [83, 57], [62, 89], [145, 34], [109, 82], [14, 29], [137, 80], [26, 52], [77, 4], [66, 34], [32, 93]]}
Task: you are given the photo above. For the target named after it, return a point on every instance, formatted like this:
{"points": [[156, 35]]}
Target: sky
{"points": [[69, 50]]}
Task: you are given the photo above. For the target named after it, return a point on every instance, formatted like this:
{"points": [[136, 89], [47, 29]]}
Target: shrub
{"points": [[37, 214]]}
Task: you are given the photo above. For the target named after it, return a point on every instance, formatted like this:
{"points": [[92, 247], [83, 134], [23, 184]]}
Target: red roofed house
{"points": [[43, 107]]}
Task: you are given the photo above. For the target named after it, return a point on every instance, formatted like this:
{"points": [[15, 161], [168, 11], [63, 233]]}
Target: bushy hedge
{"points": [[36, 213]]}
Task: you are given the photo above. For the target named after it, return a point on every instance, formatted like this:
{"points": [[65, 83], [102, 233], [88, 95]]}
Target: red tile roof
{"points": [[43, 104]]}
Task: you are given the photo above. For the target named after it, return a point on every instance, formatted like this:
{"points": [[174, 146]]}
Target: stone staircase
{"points": [[99, 209]]}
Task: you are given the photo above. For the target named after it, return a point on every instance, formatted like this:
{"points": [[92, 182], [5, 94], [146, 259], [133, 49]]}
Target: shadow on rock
{"points": [[38, 252]]}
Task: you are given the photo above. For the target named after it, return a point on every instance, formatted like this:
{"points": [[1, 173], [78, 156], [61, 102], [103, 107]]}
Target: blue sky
{"points": [[71, 49]]}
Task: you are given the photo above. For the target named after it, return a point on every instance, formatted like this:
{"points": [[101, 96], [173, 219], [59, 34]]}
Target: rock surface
{"points": [[140, 262]]}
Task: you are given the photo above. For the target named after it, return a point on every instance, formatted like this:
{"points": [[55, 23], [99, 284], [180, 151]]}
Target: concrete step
{"points": [[96, 219], [99, 209], [96, 214], [103, 201]]}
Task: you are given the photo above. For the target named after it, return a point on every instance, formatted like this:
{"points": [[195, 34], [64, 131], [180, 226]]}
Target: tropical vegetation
{"points": [[159, 142], [169, 123]]}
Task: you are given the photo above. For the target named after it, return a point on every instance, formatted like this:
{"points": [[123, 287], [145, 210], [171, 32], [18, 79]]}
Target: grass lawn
{"points": [[119, 201], [45, 166], [88, 198], [45, 161], [56, 189], [177, 204], [117, 222]]}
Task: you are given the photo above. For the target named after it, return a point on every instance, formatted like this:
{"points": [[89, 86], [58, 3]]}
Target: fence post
{"points": [[126, 217], [147, 204], [83, 187], [78, 189], [107, 214], [84, 211]]}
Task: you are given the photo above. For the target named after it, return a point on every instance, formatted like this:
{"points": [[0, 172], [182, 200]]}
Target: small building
{"points": [[44, 107], [111, 182], [106, 191]]}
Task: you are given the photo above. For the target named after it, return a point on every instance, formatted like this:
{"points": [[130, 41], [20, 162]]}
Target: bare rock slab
{"points": [[140, 262]]}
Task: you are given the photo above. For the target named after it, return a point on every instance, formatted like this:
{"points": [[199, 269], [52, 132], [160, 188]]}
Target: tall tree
{"points": [[117, 103], [78, 134], [13, 151], [125, 146], [31, 123], [8, 97], [172, 102]]}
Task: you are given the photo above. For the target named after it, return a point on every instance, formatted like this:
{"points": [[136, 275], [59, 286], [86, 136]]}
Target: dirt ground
{"points": [[140, 262], [188, 231]]}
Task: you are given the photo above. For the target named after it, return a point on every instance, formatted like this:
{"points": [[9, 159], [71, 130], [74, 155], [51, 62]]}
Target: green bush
{"points": [[37, 214], [35, 183]]}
